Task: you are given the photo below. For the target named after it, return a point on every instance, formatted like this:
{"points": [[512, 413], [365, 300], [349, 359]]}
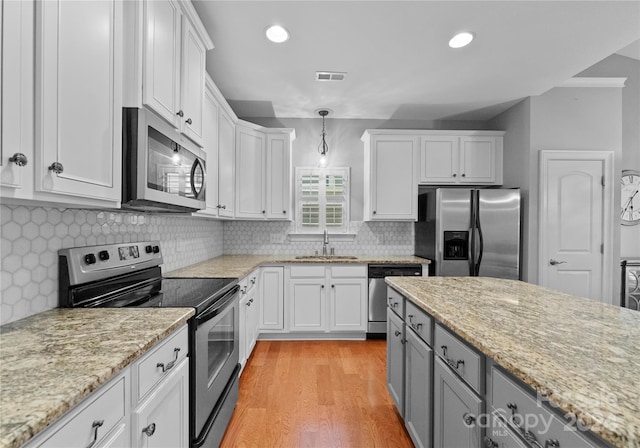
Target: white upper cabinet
{"points": [[461, 157], [390, 176], [226, 164], [279, 175], [78, 94], [166, 46], [250, 170], [210, 139]]}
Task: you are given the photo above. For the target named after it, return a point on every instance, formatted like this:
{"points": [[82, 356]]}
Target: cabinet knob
{"points": [[397, 333], [95, 425], [374, 212], [489, 443], [264, 211], [455, 175], [284, 212], [19, 159], [468, 419], [551, 443], [464, 175], [224, 207], [322, 286], [56, 167], [189, 121], [149, 430], [180, 113]]}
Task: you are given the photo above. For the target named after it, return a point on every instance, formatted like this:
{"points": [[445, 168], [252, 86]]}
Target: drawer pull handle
{"points": [[149, 430], [171, 364], [459, 362], [551, 443], [95, 425], [468, 419], [397, 333], [19, 159], [444, 351], [56, 167], [489, 443]]}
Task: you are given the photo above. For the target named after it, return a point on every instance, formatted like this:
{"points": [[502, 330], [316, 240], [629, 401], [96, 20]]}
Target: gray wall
{"points": [[622, 66]]}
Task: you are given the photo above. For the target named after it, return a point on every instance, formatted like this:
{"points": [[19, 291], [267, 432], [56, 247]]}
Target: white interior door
{"points": [[575, 230]]}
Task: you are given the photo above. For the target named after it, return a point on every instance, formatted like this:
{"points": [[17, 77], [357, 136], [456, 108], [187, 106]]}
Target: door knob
{"points": [[553, 262]]}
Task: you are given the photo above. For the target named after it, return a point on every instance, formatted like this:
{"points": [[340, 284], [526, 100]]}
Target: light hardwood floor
{"points": [[315, 394]]}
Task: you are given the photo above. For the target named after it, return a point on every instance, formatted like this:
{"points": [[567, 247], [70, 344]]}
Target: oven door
{"points": [[215, 357]]}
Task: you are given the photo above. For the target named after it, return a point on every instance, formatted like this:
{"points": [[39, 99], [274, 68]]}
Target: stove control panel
{"points": [[90, 263]]}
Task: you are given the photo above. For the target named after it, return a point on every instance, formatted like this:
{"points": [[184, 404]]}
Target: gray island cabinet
{"points": [[479, 362]]}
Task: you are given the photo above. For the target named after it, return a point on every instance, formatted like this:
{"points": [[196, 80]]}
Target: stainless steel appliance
{"points": [[630, 296], [378, 293], [470, 232], [161, 169], [129, 275]]}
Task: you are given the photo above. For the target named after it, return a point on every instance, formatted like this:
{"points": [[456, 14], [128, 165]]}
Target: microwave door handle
{"points": [[217, 306], [192, 177]]}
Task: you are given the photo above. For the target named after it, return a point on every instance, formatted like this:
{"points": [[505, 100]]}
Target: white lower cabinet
{"points": [[249, 315], [272, 298], [327, 299], [162, 420], [137, 408], [395, 359]]}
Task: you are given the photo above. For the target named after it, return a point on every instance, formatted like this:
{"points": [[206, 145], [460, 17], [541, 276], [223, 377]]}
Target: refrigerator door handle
{"points": [[472, 233], [481, 244]]}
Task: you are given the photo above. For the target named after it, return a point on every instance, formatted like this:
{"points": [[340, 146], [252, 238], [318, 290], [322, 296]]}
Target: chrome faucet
{"points": [[325, 242]]}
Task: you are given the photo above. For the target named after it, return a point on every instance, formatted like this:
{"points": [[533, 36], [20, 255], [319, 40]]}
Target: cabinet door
{"points": [[348, 304], [478, 160], [418, 381], [395, 359], [250, 169], [226, 165], [278, 176], [192, 82], [243, 326], [254, 317], [211, 149], [79, 98], [163, 419], [161, 69], [456, 409], [308, 305], [272, 299], [393, 182], [439, 159], [16, 98]]}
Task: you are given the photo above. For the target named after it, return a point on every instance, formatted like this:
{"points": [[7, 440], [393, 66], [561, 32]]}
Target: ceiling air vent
{"points": [[330, 76]]}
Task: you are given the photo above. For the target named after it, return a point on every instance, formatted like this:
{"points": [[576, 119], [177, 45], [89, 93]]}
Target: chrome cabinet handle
{"points": [[264, 211], [455, 175], [188, 121], [56, 167], [333, 286], [444, 351], [553, 262], [180, 113], [284, 212], [489, 443], [171, 364], [468, 419], [95, 425], [397, 333], [374, 212], [464, 175], [149, 430], [322, 286], [19, 159], [415, 326], [551, 443], [248, 304]]}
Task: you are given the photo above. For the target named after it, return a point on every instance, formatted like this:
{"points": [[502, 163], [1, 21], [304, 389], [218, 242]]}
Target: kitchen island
{"points": [[580, 355], [52, 361]]}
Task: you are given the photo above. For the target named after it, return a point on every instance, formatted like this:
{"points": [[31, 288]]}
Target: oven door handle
{"points": [[214, 309]]}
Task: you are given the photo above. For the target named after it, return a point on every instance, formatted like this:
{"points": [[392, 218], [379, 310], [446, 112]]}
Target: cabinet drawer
{"points": [[157, 364], [519, 407], [106, 407], [419, 321], [395, 301], [297, 271], [500, 436], [462, 359], [349, 271]]}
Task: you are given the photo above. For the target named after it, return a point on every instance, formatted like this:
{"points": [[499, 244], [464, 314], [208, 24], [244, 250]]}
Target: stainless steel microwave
{"points": [[162, 170]]}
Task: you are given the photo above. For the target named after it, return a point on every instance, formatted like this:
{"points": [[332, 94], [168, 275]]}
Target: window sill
{"points": [[319, 237]]}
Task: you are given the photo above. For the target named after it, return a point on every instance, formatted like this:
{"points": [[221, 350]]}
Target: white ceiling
{"points": [[397, 58]]}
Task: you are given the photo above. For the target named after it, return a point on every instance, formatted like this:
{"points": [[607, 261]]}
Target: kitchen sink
{"points": [[326, 257]]}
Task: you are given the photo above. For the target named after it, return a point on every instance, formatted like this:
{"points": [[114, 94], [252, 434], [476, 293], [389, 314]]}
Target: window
{"points": [[322, 199]]}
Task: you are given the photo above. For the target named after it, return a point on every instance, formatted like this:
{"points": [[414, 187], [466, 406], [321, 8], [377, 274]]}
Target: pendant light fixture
{"points": [[323, 148]]}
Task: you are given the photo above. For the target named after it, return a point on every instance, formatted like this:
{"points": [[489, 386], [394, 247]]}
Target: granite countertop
{"points": [[49, 362], [584, 356], [239, 266]]}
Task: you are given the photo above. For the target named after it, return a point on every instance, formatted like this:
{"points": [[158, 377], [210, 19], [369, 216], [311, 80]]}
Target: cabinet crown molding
{"points": [[421, 132], [189, 11]]}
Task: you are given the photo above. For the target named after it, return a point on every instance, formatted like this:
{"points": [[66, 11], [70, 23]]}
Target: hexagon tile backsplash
{"points": [[31, 237]]}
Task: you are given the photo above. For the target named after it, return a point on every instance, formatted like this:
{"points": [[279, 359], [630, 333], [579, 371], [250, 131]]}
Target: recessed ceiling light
{"points": [[277, 34], [461, 40]]}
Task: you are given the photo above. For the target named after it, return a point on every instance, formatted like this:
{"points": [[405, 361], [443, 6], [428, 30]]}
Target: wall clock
{"points": [[630, 197]]}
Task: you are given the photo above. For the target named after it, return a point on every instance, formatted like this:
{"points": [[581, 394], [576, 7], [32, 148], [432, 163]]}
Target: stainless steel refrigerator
{"points": [[470, 232]]}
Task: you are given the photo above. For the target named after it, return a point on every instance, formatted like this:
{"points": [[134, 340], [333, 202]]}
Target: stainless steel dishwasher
{"points": [[378, 293]]}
